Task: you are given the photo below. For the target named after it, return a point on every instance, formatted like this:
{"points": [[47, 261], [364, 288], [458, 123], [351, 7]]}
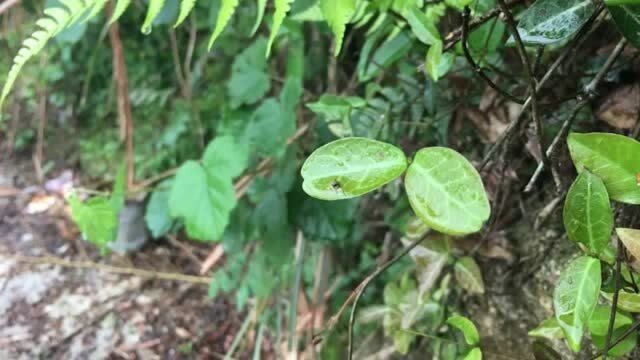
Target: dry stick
{"points": [[614, 304], [363, 286], [589, 91], [532, 81], [476, 68], [49, 260], [514, 125]]}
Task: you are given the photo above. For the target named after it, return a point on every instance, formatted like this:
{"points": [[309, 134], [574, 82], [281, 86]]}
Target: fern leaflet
{"points": [[261, 5], [56, 19], [337, 13], [185, 8], [121, 6], [155, 6], [282, 8], [227, 8]]}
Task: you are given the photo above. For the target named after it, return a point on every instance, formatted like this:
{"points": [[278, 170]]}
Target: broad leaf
{"points": [[157, 214], [599, 322], [249, 79], [467, 327], [474, 354], [575, 297], [613, 158], [468, 275], [631, 240], [337, 13], [282, 8], [270, 126], [203, 199], [446, 191], [626, 301], [351, 167], [96, 218], [548, 329], [550, 21], [625, 346], [627, 19], [587, 214], [224, 154]]}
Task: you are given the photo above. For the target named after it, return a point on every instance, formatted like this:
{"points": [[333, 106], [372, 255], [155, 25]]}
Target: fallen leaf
{"points": [[621, 107]]}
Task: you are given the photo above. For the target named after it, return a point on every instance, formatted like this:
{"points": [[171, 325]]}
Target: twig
{"points": [[589, 91], [175, 55], [363, 286], [8, 5], [49, 260], [476, 68], [614, 302], [38, 155]]}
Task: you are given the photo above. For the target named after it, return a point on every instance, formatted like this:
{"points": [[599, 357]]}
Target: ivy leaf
{"points": [[157, 216], [446, 191], [587, 213], [467, 327], [249, 79], [468, 275], [337, 13], [575, 297], [96, 218], [351, 167], [613, 158], [624, 347], [227, 9], [203, 199], [626, 301], [550, 21], [599, 322], [627, 19], [631, 240], [548, 329]]}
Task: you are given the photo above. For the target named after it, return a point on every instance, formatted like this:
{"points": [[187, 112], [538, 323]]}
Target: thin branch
{"points": [[476, 68], [614, 303], [629, 331]]}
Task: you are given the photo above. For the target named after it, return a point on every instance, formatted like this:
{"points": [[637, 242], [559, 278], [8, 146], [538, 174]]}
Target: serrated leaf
{"points": [[631, 240], [351, 167], [467, 327], [446, 191], [337, 14], [282, 7], [474, 354], [599, 321], [225, 155], [550, 21], [548, 329], [227, 9], [626, 301], [249, 80], [587, 213], [624, 347], [627, 20], [121, 6], [613, 158], [186, 6], [203, 200], [468, 275], [575, 297], [155, 6], [96, 219]]}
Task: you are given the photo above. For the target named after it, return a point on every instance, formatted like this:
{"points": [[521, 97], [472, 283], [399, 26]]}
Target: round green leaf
{"points": [[351, 167], [613, 158], [446, 191], [467, 327], [587, 214]]}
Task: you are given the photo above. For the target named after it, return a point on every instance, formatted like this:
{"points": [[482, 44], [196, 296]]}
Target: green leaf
{"points": [[155, 6], [549, 329], [631, 240], [550, 21], [118, 194], [599, 321], [474, 354], [587, 213], [269, 129], [430, 257], [468, 275], [351, 167], [458, 4], [249, 78], [437, 64], [575, 297], [467, 327], [626, 301], [627, 20], [96, 219], [389, 52], [282, 8], [185, 8], [203, 199], [227, 8], [421, 26], [157, 216], [446, 191], [261, 5], [224, 154], [337, 13], [613, 158], [121, 6], [624, 347]]}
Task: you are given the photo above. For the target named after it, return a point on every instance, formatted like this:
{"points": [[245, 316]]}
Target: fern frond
{"points": [[121, 6], [227, 8], [282, 8], [155, 6], [262, 4], [97, 7], [185, 9], [337, 13], [56, 19]]}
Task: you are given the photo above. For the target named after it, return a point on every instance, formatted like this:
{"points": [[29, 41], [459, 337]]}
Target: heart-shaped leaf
{"points": [[631, 240], [587, 214], [613, 158], [351, 167], [550, 21], [627, 19], [575, 298], [446, 191]]}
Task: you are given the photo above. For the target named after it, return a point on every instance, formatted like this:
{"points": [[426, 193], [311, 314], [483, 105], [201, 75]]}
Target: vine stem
{"points": [[363, 286]]}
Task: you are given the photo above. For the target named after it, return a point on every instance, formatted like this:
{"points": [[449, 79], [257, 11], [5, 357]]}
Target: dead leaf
{"points": [[631, 240], [621, 107], [40, 204]]}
